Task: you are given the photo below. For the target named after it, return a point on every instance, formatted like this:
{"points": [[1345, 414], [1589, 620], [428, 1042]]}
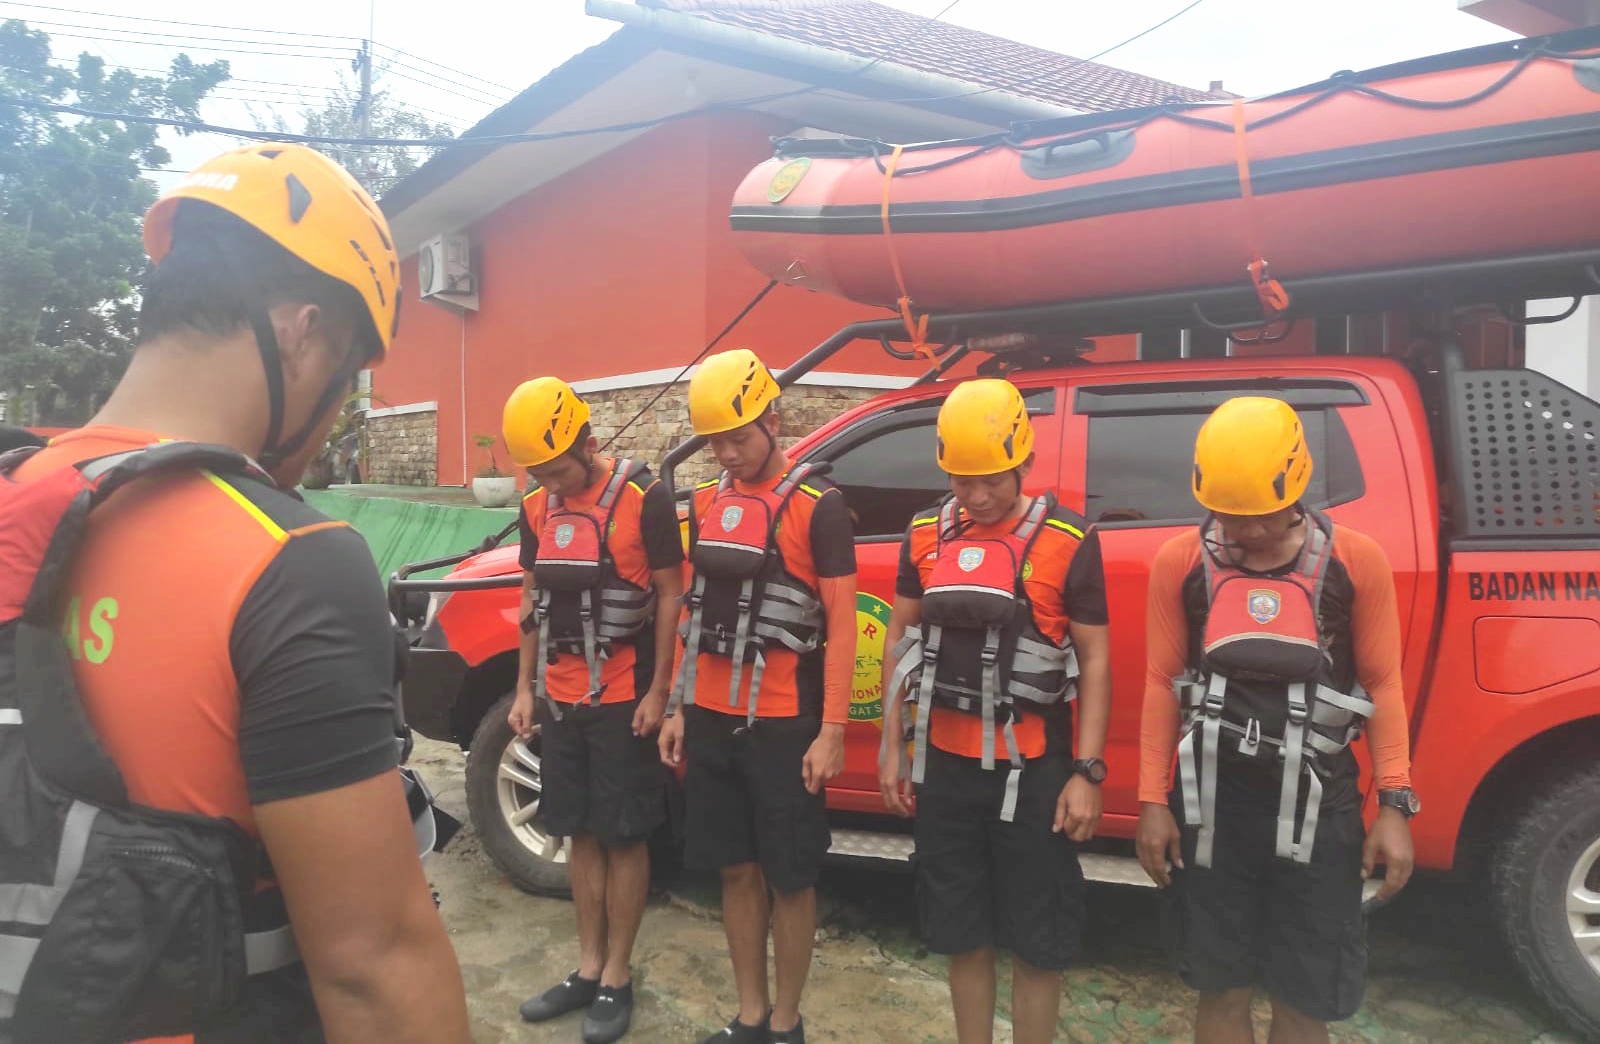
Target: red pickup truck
{"points": [[1483, 486]]}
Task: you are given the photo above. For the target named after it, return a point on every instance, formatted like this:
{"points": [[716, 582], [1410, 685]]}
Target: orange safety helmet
{"points": [[729, 390], [541, 421], [307, 204], [1251, 457], [983, 428]]}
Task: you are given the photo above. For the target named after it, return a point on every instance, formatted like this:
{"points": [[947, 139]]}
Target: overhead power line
{"points": [[167, 21], [450, 69], [197, 47], [140, 35]]}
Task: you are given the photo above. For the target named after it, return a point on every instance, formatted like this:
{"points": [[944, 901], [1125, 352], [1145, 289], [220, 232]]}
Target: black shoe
{"points": [[608, 1015], [737, 1032], [789, 1036], [569, 994]]}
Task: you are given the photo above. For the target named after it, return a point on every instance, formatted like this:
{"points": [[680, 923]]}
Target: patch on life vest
{"points": [[731, 517], [1263, 605], [970, 558], [564, 534], [1027, 570]]}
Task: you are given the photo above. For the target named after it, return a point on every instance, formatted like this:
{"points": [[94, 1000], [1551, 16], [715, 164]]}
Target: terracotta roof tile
{"points": [[873, 30]]}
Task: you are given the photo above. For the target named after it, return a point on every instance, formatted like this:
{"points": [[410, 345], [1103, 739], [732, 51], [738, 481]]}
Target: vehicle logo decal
{"points": [[1264, 605]]}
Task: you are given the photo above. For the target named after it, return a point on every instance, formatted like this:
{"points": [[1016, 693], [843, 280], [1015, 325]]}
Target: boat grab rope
{"points": [[1273, 297], [916, 326]]}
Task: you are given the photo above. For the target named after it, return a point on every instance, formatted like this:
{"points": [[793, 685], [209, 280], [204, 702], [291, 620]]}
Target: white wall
{"points": [[1568, 351]]}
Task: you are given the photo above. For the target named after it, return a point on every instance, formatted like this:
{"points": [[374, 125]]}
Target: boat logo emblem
{"points": [[731, 517], [787, 178], [564, 534], [1264, 605], [970, 558]]}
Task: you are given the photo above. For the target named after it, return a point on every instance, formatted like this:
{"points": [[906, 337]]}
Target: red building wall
{"points": [[621, 266]]}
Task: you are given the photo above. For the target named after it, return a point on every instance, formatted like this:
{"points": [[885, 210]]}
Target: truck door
{"points": [[1129, 471], [884, 464]]}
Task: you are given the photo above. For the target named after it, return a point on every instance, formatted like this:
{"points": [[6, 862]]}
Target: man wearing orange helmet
{"points": [[1278, 633], [1001, 601], [769, 640], [602, 573], [242, 667]]}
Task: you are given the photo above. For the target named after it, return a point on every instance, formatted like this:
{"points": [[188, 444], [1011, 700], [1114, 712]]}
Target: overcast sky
{"points": [[463, 57]]}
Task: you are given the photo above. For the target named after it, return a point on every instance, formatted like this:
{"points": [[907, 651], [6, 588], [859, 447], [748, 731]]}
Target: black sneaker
{"points": [[797, 1035], [569, 994], [737, 1032], [608, 1015]]}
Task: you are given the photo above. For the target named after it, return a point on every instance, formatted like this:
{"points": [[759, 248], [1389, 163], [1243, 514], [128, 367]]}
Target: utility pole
{"points": [[366, 173]]}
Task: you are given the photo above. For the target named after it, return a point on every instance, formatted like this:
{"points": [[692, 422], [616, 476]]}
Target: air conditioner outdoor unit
{"points": [[444, 271]]}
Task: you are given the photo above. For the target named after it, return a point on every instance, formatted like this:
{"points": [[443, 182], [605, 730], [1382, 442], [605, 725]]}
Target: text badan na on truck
{"points": [[1481, 485]]}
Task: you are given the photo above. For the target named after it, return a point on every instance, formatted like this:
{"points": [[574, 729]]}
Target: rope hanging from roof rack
{"points": [[1270, 293], [916, 326]]}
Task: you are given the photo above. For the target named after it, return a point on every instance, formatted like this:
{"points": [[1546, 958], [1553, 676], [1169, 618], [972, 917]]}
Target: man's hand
{"points": [[1077, 809], [670, 741], [825, 758], [897, 790], [521, 718], [647, 716], [1389, 843], [1159, 842]]}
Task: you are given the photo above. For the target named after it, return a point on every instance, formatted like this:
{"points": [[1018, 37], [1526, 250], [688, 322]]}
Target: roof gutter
{"points": [[909, 81]]}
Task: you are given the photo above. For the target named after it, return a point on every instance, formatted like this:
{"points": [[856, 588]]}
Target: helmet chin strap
{"points": [[275, 450]]}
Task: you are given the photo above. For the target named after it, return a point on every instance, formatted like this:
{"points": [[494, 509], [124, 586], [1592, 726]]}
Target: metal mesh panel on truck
{"points": [[1529, 449]]}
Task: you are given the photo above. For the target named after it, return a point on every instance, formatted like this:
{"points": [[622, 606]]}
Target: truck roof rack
{"points": [[1044, 335]]}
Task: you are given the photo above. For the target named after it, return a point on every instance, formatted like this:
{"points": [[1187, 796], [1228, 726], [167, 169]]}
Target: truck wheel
{"points": [[1544, 883], [503, 788]]}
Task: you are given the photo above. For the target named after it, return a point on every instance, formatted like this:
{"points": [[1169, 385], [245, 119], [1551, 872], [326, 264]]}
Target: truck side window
{"points": [[886, 468], [889, 477], [1140, 466]]}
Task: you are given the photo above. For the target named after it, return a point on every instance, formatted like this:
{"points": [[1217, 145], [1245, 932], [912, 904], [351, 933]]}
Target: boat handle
{"points": [[888, 346], [1234, 330]]}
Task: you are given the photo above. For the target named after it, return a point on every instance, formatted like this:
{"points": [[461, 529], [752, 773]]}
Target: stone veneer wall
{"points": [[805, 408], [403, 448]]}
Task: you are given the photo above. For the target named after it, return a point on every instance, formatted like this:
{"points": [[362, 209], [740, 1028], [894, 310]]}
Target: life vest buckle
{"points": [[1250, 742], [1211, 706]]}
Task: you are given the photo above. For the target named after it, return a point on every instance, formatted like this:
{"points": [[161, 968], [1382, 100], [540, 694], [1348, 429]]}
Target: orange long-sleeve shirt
{"points": [[1177, 598]]}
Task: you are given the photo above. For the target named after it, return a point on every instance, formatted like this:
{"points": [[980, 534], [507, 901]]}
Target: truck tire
{"points": [[503, 788], [1544, 885]]}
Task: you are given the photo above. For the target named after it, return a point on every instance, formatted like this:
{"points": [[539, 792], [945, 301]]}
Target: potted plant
{"points": [[491, 487]]}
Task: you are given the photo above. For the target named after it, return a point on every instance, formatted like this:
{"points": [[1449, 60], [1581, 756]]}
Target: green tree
{"points": [[72, 193], [377, 167]]}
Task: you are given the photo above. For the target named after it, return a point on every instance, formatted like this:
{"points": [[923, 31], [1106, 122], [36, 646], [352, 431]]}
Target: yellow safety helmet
{"points": [[307, 204], [984, 428], [728, 391], [541, 421], [1251, 457]]}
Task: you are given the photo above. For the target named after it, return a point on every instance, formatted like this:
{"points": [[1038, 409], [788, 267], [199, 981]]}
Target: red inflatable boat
{"points": [[1477, 154]]}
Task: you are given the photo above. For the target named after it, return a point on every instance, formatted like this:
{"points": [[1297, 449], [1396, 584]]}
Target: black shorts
{"points": [[745, 800], [982, 882], [1253, 919], [600, 780]]}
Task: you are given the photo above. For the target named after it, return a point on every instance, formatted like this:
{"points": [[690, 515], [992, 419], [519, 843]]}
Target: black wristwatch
{"points": [[1091, 769], [1402, 798]]}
